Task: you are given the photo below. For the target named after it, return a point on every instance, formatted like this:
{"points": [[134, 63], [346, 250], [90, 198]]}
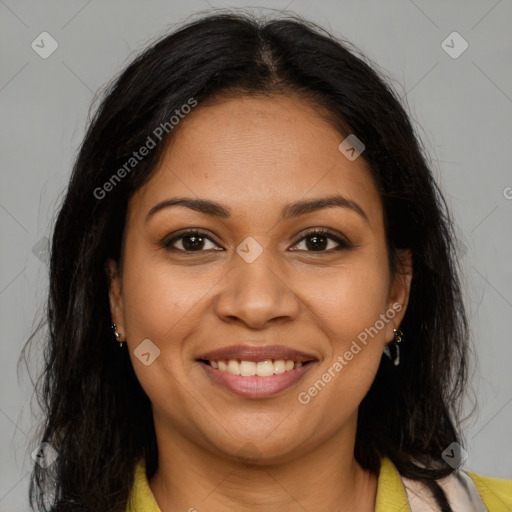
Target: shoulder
{"points": [[496, 493], [141, 497], [466, 491]]}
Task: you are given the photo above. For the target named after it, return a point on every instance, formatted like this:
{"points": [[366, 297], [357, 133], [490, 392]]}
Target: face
{"points": [[303, 317]]}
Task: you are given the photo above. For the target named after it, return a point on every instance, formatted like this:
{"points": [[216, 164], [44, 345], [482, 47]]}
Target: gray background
{"points": [[462, 109]]}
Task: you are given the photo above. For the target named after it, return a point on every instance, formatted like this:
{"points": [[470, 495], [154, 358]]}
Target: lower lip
{"points": [[255, 386]]}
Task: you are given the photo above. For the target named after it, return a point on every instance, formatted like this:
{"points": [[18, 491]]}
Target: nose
{"points": [[257, 293]]}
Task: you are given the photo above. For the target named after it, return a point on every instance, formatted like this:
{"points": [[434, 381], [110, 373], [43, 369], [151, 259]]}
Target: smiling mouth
{"points": [[263, 368]]}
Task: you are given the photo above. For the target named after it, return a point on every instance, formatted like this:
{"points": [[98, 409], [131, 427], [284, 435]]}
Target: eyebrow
{"points": [[302, 207]]}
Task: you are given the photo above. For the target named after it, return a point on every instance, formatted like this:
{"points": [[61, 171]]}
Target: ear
{"points": [[115, 294], [400, 290]]}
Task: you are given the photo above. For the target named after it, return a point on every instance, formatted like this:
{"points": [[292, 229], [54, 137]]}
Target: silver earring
{"points": [[396, 347], [118, 336]]}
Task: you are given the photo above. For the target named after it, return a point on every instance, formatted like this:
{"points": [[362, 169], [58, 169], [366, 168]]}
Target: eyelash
{"points": [[343, 244]]}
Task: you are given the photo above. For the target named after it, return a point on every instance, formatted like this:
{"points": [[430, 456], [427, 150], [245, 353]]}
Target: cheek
{"points": [[162, 301], [351, 300], [352, 313], [164, 304]]}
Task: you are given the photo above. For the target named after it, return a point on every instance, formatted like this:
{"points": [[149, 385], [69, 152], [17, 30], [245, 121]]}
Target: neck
{"points": [[326, 478]]}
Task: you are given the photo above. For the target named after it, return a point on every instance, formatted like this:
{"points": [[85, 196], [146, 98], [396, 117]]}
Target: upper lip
{"points": [[257, 353]]}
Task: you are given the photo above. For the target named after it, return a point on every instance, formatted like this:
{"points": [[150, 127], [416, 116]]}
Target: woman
{"points": [[254, 302]]}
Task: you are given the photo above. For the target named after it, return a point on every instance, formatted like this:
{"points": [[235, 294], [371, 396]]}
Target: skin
{"points": [[254, 155]]}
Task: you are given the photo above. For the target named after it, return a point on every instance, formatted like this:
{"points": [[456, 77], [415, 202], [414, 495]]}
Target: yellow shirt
{"points": [[391, 495]]}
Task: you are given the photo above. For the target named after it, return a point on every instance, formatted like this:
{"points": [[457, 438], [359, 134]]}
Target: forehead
{"points": [[257, 153]]}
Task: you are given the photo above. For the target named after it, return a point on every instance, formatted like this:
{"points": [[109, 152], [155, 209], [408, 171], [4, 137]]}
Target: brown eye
{"points": [[191, 241], [319, 241]]}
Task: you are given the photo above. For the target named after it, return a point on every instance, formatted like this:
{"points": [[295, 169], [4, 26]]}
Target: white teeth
{"points": [[279, 366], [265, 368], [250, 368], [247, 368], [233, 367]]}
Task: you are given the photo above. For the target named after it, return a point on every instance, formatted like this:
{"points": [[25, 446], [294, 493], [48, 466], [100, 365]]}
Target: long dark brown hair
{"points": [[96, 414]]}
